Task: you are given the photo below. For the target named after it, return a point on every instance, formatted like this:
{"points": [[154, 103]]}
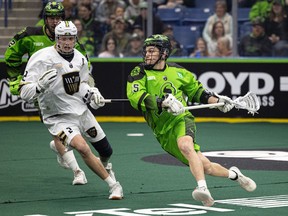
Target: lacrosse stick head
{"points": [[249, 102]]}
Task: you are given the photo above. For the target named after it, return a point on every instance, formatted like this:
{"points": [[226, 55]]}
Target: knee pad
{"points": [[103, 148]]}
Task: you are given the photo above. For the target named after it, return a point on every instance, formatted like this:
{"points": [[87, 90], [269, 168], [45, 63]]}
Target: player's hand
{"points": [[46, 79], [173, 105], [228, 103], [96, 99], [14, 85]]}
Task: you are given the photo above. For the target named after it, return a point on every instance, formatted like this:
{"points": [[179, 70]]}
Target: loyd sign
{"points": [[260, 83]]}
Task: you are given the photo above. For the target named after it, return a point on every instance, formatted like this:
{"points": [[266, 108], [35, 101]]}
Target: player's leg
{"points": [[96, 166], [96, 136], [233, 173], [201, 193], [105, 151], [68, 158]]}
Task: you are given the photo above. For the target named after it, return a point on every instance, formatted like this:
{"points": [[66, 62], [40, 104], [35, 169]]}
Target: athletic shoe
{"points": [[110, 171], [60, 160], [79, 178], [245, 182], [203, 195], [116, 192]]}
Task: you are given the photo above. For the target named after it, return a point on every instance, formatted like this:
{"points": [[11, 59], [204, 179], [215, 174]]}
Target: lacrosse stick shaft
{"points": [[114, 100], [202, 106]]}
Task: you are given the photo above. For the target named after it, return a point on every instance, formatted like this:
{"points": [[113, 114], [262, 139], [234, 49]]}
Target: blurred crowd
{"points": [[117, 28]]}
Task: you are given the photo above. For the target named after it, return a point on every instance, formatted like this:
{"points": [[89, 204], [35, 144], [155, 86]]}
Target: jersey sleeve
{"points": [[192, 87], [137, 92], [17, 48]]}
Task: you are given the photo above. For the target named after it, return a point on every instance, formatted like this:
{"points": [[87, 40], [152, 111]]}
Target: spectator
{"points": [[91, 27], [256, 44], [276, 28], [105, 9], [119, 33], [138, 30], [70, 11], [109, 49], [132, 11], [201, 49], [218, 31], [177, 49], [87, 42], [168, 30], [134, 47], [219, 15], [141, 20], [119, 12], [223, 47], [171, 4]]}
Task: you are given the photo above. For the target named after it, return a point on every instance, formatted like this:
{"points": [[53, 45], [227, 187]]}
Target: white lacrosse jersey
{"points": [[65, 94]]}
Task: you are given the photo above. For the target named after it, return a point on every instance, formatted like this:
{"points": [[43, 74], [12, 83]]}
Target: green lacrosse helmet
{"points": [[162, 42], [54, 9]]}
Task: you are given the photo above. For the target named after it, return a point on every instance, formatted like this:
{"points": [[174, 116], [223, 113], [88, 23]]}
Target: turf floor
{"points": [[32, 183]]}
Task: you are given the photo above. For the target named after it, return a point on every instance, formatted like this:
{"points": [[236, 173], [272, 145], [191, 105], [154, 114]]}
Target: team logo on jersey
{"points": [[92, 132], [135, 71], [71, 82], [38, 44], [167, 87], [180, 74]]}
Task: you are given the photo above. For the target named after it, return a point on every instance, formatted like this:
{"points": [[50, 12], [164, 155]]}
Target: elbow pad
{"points": [[205, 96]]}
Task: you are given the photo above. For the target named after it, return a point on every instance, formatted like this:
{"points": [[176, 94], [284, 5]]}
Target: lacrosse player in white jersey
{"points": [[58, 77]]}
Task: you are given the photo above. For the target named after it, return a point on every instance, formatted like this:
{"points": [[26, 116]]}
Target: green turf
{"points": [[32, 183]]}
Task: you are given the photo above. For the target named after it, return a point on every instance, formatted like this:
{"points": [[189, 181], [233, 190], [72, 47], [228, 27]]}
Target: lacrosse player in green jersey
{"points": [[160, 91], [30, 40]]}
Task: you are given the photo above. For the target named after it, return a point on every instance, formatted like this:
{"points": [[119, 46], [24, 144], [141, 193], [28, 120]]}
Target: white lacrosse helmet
{"points": [[66, 36]]}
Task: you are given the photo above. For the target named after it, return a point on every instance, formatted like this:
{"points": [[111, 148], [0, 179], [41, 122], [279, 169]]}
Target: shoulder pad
{"points": [[137, 73], [172, 64], [29, 31]]}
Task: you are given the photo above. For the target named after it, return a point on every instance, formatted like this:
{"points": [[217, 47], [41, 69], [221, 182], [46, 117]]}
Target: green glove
{"points": [[14, 85]]}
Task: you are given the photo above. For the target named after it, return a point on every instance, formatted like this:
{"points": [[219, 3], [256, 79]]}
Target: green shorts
{"points": [[184, 127]]}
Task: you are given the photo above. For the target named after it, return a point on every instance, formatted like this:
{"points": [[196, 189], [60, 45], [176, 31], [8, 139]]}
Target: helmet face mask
{"points": [[162, 43], [66, 37]]}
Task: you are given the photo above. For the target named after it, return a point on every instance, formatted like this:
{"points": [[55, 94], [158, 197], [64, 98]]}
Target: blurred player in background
{"points": [[160, 91], [58, 76]]}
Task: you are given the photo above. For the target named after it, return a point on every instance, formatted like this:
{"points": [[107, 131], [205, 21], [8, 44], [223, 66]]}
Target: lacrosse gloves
{"points": [[14, 84], [228, 103], [46, 79], [96, 98], [173, 105]]}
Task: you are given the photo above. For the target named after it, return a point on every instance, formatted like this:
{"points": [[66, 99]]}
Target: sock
{"points": [[70, 159], [232, 175], [202, 183], [110, 181]]}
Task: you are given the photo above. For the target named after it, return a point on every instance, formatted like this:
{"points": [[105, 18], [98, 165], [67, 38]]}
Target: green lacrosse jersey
{"points": [[28, 41], [146, 87]]}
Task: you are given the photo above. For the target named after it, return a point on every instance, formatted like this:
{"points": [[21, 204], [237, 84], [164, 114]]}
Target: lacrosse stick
{"points": [[114, 100], [248, 102]]}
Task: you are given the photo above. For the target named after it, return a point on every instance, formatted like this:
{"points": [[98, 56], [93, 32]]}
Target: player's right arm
{"points": [[137, 93], [17, 48]]}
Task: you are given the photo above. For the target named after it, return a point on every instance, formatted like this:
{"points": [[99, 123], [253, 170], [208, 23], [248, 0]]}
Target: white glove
{"points": [[173, 105], [46, 79], [228, 103], [96, 98]]}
